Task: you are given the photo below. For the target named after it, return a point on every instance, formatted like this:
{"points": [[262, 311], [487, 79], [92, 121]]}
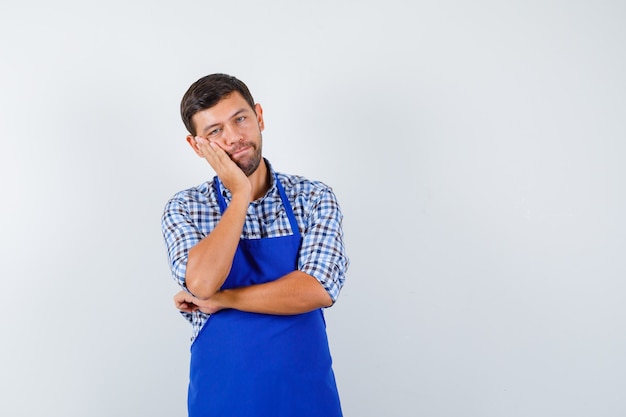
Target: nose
{"points": [[232, 135]]}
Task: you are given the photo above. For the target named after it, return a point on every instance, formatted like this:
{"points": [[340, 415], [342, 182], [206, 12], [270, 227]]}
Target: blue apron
{"points": [[256, 365]]}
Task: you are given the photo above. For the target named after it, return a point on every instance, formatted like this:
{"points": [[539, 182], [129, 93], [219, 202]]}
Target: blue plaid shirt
{"points": [[192, 214]]}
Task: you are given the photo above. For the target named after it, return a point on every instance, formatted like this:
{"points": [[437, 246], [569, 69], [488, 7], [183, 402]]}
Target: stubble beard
{"points": [[249, 165]]}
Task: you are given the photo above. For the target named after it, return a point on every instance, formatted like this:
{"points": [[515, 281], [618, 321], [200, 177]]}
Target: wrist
{"points": [[241, 198], [222, 299]]}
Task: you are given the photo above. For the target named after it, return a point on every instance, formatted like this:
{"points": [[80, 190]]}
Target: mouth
{"points": [[237, 152]]}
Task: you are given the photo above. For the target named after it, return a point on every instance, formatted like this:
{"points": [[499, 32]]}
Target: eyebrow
{"points": [[211, 126]]}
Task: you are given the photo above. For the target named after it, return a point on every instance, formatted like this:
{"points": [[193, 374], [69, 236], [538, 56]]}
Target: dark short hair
{"points": [[207, 92]]}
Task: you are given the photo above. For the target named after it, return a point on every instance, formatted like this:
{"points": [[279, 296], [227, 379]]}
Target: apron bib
{"points": [[257, 365]]}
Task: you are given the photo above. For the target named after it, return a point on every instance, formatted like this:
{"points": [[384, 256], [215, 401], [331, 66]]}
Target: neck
{"points": [[260, 180]]}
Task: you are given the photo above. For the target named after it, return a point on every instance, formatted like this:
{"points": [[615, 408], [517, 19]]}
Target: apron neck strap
{"points": [[283, 196]]}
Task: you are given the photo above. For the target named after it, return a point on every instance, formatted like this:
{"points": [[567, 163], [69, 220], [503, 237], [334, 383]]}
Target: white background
{"points": [[476, 149]]}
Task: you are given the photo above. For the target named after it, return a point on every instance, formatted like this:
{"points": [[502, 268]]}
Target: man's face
{"points": [[233, 125]]}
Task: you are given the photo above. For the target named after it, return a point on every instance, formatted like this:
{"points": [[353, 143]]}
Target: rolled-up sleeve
{"points": [[322, 254], [181, 234]]}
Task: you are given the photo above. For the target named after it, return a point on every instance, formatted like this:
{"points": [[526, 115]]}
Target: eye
{"points": [[240, 119], [214, 132]]}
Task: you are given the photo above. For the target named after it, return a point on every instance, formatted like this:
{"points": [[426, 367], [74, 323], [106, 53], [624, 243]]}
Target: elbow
{"points": [[195, 289], [202, 281], [325, 300], [204, 276], [321, 296], [316, 295], [200, 287]]}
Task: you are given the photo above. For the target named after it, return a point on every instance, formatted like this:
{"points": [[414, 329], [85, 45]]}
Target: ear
{"points": [[259, 116], [191, 140]]}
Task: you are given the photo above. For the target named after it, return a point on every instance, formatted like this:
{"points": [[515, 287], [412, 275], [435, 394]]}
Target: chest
{"points": [[263, 219]]}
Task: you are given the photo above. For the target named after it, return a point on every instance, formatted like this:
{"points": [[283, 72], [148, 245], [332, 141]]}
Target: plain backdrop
{"points": [[477, 150]]}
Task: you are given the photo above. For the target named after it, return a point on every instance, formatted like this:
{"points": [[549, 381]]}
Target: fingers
{"points": [[215, 155], [212, 150], [181, 296], [185, 302], [189, 304], [187, 308], [226, 169]]}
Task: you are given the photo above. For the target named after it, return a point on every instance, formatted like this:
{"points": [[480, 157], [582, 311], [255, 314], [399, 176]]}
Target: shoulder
{"points": [[308, 195], [197, 195], [298, 184]]}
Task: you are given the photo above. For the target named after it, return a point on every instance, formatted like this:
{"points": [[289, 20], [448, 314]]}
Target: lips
{"points": [[239, 151]]}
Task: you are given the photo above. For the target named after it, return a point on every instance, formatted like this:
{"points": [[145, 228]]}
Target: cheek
{"points": [[248, 127]]}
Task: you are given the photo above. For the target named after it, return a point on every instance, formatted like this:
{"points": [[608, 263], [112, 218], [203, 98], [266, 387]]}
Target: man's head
{"points": [[220, 109], [207, 92]]}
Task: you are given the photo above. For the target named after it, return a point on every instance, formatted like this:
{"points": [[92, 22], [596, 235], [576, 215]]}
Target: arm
{"points": [[190, 248], [322, 265], [294, 293], [210, 260]]}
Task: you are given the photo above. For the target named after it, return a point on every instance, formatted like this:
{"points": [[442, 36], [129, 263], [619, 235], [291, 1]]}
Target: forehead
{"points": [[222, 110]]}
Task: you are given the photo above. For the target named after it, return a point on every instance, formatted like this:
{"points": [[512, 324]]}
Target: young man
{"points": [[258, 255]]}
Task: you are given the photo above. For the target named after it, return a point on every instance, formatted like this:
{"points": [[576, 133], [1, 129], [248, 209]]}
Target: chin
{"points": [[250, 166], [249, 169]]}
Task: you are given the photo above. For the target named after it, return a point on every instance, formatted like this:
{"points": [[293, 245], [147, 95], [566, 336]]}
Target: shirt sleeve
{"points": [[322, 254], [181, 234]]}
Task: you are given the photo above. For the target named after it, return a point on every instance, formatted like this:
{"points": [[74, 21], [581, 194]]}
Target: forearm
{"points": [[294, 293], [210, 260]]}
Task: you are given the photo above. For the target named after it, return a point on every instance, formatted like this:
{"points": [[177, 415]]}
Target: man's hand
{"points": [[231, 175], [188, 303]]}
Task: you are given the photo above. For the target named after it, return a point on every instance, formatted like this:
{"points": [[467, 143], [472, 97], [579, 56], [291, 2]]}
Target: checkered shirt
{"points": [[190, 215]]}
